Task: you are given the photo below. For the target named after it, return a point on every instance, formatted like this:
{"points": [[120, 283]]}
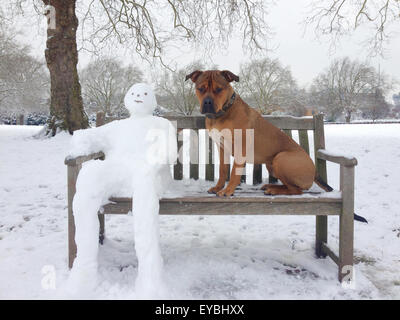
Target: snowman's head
{"points": [[140, 100]]}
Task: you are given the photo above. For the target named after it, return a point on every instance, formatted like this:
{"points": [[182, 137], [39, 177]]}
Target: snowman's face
{"points": [[140, 100]]}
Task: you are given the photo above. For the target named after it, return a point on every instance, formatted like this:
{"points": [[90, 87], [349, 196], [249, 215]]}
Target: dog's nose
{"points": [[208, 105]]}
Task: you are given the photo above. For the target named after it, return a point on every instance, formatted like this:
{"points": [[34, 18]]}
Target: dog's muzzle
{"points": [[208, 107]]}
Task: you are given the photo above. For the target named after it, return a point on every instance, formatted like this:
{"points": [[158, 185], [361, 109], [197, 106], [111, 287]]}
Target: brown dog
{"points": [[226, 111]]}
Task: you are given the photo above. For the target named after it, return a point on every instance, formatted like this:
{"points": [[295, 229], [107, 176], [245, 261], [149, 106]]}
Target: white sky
{"points": [[304, 54]]}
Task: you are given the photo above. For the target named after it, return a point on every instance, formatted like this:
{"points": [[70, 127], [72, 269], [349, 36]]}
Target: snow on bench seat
{"points": [[191, 198]]}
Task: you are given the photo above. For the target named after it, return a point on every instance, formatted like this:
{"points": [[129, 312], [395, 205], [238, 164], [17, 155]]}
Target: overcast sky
{"points": [[303, 53]]}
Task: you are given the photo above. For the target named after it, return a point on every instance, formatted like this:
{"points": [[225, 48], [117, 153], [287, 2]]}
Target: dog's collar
{"points": [[224, 109], [229, 103]]}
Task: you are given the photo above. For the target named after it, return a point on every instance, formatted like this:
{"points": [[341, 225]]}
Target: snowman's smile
{"points": [[138, 101]]}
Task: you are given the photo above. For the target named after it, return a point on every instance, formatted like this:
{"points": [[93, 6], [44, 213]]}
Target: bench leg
{"points": [[346, 225], [71, 239], [102, 228], [346, 233], [321, 235], [72, 173]]}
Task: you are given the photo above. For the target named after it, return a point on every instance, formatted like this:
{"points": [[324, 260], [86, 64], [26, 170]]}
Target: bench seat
{"points": [[250, 201]]}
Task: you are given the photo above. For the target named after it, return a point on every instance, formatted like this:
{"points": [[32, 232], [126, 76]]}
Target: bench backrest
{"points": [[196, 123]]}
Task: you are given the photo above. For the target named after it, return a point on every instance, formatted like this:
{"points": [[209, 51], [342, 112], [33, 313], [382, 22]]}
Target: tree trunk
{"points": [[66, 107], [348, 116]]}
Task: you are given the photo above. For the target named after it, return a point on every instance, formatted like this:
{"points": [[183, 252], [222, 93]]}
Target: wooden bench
{"points": [[248, 204]]}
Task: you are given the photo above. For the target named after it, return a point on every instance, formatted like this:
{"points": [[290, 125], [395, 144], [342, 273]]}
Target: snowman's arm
{"points": [[89, 141]]}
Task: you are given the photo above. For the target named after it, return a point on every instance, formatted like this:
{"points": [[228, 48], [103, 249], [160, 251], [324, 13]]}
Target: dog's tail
{"points": [[321, 183]]}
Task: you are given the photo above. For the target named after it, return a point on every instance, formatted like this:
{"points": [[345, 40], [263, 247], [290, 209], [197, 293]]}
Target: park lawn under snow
{"points": [[224, 257]]}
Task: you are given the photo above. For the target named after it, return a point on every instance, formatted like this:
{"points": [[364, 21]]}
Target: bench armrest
{"points": [[342, 160], [75, 161]]}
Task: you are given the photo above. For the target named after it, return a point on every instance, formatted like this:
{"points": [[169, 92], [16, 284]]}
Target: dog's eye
{"points": [[218, 90], [201, 90]]}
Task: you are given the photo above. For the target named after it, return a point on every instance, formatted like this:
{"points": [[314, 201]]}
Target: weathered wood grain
{"points": [[282, 122], [343, 160], [235, 205], [346, 224], [288, 132], [209, 157], [75, 161], [329, 253], [178, 167], [257, 174], [72, 173], [194, 154], [321, 234], [303, 139]]}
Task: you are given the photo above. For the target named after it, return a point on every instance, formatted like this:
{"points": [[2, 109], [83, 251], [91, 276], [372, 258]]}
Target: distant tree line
{"points": [[210, 24], [24, 80], [345, 90]]}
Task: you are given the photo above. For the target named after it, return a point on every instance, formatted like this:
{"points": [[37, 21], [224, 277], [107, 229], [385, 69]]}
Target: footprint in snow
{"points": [[26, 205]]}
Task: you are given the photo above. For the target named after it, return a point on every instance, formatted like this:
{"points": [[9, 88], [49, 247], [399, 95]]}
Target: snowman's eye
{"points": [[145, 93], [133, 93]]}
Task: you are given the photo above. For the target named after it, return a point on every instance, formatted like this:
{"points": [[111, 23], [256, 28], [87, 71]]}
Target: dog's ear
{"points": [[194, 75], [229, 76]]}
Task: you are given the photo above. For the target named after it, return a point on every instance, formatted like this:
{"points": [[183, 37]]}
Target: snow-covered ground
{"points": [[227, 257]]}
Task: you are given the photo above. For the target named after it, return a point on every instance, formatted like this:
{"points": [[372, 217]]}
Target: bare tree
{"points": [[341, 88], [396, 99], [175, 93], [104, 84], [209, 23], [24, 82], [148, 26], [339, 17], [396, 107], [375, 105], [267, 84]]}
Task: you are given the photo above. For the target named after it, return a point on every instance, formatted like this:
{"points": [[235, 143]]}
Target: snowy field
{"points": [[230, 257]]}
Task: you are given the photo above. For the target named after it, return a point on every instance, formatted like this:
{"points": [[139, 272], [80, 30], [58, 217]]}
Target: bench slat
{"points": [[257, 174], [303, 139], [288, 132], [209, 157], [194, 154], [282, 122], [178, 167], [239, 205]]}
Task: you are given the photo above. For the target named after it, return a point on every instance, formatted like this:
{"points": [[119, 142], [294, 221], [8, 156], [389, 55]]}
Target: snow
{"points": [[190, 187], [138, 153], [334, 153], [205, 257]]}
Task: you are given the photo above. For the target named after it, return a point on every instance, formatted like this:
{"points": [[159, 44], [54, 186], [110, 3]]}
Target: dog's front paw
{"points": [[215, 189], [225, 193], [268, 185], [269, 192]]}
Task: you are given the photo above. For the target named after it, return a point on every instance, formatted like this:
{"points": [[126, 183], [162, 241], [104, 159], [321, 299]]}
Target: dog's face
{"points": [[213, 89]]}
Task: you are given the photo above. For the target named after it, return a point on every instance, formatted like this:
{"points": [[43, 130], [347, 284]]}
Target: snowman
{"points": [[138, 154]]}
